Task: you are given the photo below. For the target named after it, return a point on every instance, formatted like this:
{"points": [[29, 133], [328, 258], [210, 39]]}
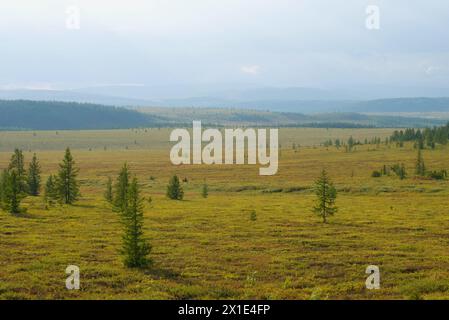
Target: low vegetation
{"points": [[251, 237]]}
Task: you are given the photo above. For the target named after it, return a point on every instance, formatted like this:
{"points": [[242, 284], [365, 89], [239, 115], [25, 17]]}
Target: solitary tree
{"points": [[51, 193], [121, 189], [205, 191], [34, 177], [326, 195], [135, 247], [67, 185], [17, 164], [420, 168], [174, 189], [108, 193]]}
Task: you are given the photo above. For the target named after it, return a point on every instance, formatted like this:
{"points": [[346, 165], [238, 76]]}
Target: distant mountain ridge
{"points": [[290, 99], [402, 105]]}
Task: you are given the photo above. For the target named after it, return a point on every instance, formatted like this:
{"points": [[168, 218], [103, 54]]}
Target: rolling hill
{"points": [[49, 115], [53, 115]]}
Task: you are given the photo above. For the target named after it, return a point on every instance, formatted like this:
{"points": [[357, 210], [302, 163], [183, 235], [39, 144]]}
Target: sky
{"points": [[283, 43]]}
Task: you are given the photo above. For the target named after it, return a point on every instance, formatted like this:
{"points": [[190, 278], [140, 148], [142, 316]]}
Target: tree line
{"points": [[427, 137]]}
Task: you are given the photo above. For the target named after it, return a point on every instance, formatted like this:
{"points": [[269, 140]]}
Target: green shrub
{"points": [[376, 174]]}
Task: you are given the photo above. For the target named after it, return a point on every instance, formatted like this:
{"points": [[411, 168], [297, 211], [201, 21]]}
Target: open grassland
{"points": [[154, 138], [209, 248]]}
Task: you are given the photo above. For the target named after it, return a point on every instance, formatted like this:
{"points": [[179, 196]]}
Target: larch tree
{"points": [[121, 189], [12, 193], [135, 247], [420, 168], [17, 164], [66, 182], [3, 185], [51, 193], [108, 192], [205, 191], [174, 189], [326, 195], [34, 177]]}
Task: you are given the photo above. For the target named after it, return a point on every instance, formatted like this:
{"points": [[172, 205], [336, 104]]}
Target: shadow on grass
{"points": [[26, 215], [161, 273], [86, 206]]}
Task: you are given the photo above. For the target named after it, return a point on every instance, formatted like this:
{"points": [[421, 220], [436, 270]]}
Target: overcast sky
{"points": [[309, 43]]}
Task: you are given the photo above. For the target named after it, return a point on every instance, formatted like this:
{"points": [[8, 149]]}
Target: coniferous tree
{"points": [[121, 189], [326, 195], [4, 180], [400, 171], [51, 192], [17, 164], [205, 191], [337, 143], [3, 185], [135, 247], [351, 143], [66, 183], [34, 177], [108, 193], [420, 168], [174, 189], [12, 193]]}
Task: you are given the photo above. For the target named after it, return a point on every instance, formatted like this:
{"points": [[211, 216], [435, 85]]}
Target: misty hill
{"points": [[289, 99], [46, 115], [71, 96], [232, 117], [402, 105], [51, 115]]}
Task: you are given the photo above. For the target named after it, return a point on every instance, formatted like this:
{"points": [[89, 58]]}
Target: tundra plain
{"points": [[209, 248]]}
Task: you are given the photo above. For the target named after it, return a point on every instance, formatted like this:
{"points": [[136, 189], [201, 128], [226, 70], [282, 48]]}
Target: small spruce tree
{"points": [[121, 189], [174, 189], [326, 195], [66, 183], [135, 247], [34, 177], [51, 193], [351, 143], [108, 193], [205, 191], [12, 192], [420, 168], [17, 164], [3, 186], [253, 215]]}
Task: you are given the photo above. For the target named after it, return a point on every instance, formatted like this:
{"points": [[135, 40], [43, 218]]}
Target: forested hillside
{"points": [[45, 115], [52, 115]]}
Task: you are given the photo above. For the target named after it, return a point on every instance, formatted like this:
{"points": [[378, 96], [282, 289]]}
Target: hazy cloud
{"points": [[320, 43], [252, 70]]}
